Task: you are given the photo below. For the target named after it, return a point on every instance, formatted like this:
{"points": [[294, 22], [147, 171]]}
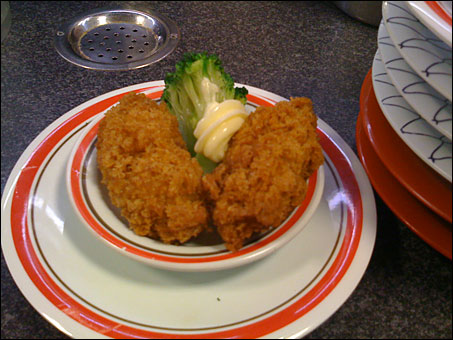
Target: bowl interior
{"points": [[91, 202]]}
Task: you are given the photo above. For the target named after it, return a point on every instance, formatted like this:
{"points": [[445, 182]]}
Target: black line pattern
{"points": [[438, 54], [437, 110], [415, 125]]}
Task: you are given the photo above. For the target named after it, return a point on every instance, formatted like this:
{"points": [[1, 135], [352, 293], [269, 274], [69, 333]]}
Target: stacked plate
{"points": [[404, 130]]}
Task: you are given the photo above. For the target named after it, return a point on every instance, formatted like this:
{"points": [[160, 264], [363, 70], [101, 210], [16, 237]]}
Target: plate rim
{"points": [[411, 98], [397, 190], [413, 62], [364, 241], [371, 115], [431, 8], [414, 146]]}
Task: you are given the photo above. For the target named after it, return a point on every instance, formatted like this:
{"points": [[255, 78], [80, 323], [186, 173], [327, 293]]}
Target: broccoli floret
{"points": [[199, 79]]}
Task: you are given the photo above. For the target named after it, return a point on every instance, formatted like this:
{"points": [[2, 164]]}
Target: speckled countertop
{"points": [[307, 49]]}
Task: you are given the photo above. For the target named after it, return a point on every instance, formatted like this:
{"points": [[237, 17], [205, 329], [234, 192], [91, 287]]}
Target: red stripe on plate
{"points": [[88, 318]]}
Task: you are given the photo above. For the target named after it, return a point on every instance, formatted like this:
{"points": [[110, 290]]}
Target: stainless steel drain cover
{"points": [[117, 39]]}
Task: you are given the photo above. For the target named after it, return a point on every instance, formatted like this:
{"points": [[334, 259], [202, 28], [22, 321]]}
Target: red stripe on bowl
{"points": [[77, 192], [90, 319]]}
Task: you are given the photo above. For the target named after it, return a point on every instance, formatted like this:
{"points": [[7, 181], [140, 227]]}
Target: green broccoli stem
{"points": [[188, 91], [206, 164]]}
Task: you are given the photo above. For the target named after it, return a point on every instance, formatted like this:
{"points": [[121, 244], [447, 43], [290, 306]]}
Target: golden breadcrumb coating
{"points": [[263, 176], [148, 171]]}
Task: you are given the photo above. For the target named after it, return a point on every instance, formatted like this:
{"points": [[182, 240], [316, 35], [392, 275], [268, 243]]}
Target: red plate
{"points": [[418, 178], [429, 226]]}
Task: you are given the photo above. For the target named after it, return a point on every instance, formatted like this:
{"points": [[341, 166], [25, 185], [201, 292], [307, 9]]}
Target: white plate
{"points": [[87, 290], [435, 16], [427, 55], [206, 252], [431, 146], [426, 101]]}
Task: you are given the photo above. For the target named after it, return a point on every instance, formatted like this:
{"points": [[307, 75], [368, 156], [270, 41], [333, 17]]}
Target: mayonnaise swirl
{"points": [[218, 125]]}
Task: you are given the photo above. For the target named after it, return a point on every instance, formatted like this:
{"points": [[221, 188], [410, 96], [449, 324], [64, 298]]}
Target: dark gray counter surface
{"points": [[306, 49]]}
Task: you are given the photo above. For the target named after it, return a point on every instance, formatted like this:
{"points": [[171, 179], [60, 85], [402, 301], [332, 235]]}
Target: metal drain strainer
{"points": [[117, 39]]}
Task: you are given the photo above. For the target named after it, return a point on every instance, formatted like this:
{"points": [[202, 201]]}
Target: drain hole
{"points": [[133, 40], [107, 29], [102, 43], [106, 38], [96, 34], [128, 35], [116, 34], [129, 57], [100, 55], [121, 28], [90, 41], [144, 36], [91, 49], [114, 58], [141, 51], [120, 51], [108, 49], [146, 43], [134, 30], [131, 47], [118, 41]]}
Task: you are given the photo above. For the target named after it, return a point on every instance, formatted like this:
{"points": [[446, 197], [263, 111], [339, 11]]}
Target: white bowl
{"points": [[205, 253]]}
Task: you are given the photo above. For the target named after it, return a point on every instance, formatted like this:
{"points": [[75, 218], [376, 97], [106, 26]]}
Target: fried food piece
{"points": [[263, 176], [148, 171]]}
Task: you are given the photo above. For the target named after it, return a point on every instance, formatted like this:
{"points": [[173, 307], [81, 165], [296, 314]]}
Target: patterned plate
{"points": [[422, 221], [426, 54], [416, 176], [436, 15], [428, 103], [431, 146]]}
